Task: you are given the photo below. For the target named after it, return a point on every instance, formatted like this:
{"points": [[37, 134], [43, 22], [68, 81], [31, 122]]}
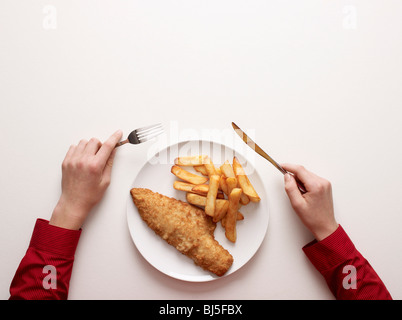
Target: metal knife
{"points": [[247, 140]]}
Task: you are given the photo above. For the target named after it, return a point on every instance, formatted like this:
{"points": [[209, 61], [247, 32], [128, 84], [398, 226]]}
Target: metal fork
{"points": [[141, 135]]}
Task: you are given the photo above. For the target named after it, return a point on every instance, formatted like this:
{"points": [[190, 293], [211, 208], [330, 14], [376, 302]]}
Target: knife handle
{"points": [[300, 185]]}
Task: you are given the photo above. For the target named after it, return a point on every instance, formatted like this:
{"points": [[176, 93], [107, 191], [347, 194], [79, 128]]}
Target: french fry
{"points": [[244, 199], [223, 221], [196, 199], [248, 188], [244, 182], [221, 206], [202, 189], [237, 167], [183, 186], [201, 169], [211, 195], [201, 201], [209, 167], [223, 185], [227, 170], [220, 210], [240, 217], [188, 176], [231, 184], [190, 161], [231, 215]]}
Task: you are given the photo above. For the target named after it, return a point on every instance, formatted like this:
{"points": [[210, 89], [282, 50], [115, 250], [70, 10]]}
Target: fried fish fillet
{"points": [[185, 227]]}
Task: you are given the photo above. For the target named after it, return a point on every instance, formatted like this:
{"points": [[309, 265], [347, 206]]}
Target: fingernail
{"points": [[287, 177]]}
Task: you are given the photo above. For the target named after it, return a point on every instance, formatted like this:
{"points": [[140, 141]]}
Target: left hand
{"points": [[86, 174]]}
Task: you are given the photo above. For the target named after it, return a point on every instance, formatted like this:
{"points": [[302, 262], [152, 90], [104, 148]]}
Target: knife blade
{"points": [[247, 140]]}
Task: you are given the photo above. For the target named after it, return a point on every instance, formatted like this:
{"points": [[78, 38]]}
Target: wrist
{"points": [[325, 231], [68, 216]]}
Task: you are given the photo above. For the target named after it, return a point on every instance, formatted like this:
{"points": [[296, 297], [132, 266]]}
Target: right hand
{"points": [[314, 208]]}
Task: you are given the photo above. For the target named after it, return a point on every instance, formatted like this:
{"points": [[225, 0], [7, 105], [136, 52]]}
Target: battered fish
{"points": [[185, 227]]}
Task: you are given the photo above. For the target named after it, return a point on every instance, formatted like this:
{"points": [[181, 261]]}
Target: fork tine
{"points": [[148, 132], [151, 136], [147, 128]]}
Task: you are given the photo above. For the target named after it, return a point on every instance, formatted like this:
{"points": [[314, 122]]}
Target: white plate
{"points": [[156, 176]]}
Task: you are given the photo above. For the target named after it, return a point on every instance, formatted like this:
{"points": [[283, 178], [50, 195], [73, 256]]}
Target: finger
{"points": [[80, 147], [107, 172], [92, 146], [293, 192], [70, 152], [306, 177], [108, 146], [68, 157]]}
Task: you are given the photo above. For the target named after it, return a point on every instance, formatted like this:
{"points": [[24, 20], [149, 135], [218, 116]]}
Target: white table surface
{"points": [[318, 82]]}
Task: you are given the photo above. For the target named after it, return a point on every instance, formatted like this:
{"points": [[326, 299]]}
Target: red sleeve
{"points": [[45, 270], [347, 273]]}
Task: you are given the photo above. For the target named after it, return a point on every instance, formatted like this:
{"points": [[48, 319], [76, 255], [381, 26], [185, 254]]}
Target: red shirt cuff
{"points": [[330, 251], [53, 239]]}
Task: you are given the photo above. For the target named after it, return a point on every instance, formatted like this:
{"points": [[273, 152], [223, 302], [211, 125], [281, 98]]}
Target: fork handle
{"points": [[121, 143]]}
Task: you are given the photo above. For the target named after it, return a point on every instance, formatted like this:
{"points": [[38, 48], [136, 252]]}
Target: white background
{"points": [[319, 82]]}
